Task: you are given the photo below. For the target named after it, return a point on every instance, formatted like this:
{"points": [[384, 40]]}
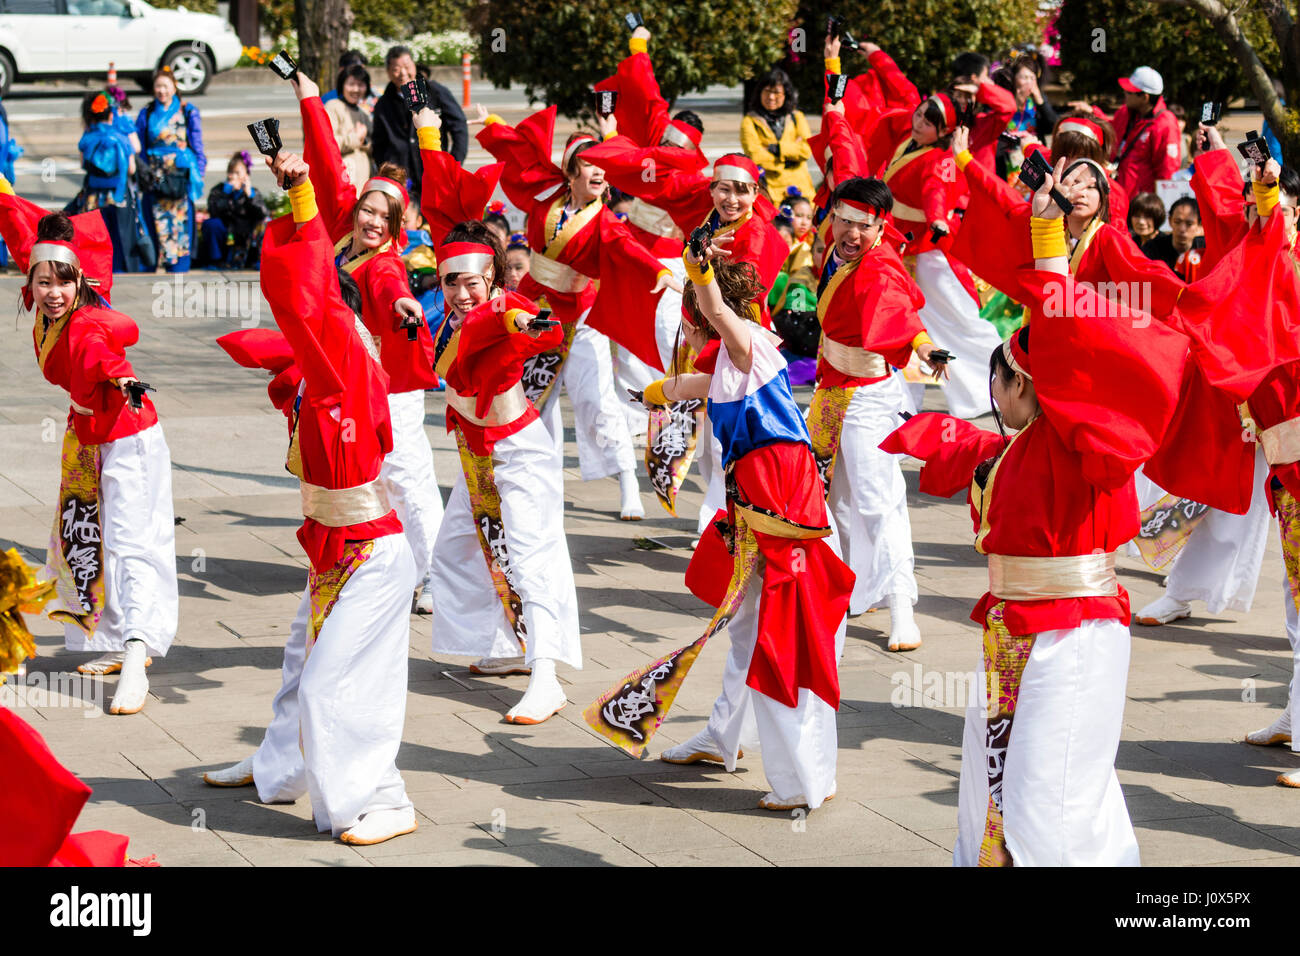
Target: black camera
{"points": [[1210, 113], [701, 236], [283, 66], [135, 393], [1255, 149], [414, 94], [604, 101], [836, 85], [1033, 171], [940, 357], [632, 21], [543, 321], [266, 136], [835, 25]]}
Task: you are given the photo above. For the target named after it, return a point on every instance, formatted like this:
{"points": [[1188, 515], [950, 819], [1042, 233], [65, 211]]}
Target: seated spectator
{"points": [[237, 215]]}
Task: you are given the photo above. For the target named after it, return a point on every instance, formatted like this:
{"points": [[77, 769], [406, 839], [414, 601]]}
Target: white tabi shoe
{"points": [[240, 775], [773, 802], [110, 663], [1276, 734], [424, 603], [380, 825], [701, 747], [904, 635], [1289, 779], [1163, 610], [133, 685], [632, 509], [500, 666], [544, 697]]}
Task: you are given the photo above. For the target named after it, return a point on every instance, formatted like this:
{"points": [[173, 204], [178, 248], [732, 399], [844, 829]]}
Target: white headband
{"points": [[1011, 360], [850, 214], [735, 173], [385, 187], [573, 147], [1078, 127]]}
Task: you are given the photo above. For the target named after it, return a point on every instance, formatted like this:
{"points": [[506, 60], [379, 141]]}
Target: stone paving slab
{"points": [[488, 793]]}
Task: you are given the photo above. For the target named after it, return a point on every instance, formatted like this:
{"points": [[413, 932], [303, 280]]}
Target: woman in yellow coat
{"points": [[775, 136]]}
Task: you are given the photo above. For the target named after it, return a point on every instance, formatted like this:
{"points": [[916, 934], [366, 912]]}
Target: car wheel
{"points": [[6, 72], [192, 69]]}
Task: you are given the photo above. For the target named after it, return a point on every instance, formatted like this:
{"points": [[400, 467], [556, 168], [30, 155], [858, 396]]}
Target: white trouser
{"points": [[1293, 637], [953, 321], [868, 498], [468, 618], [798, 743], [630, 371], [139, 540], [1061, 800], [1220, 561], [338, 716], [408, 478], [708, 452], [604, 441]]}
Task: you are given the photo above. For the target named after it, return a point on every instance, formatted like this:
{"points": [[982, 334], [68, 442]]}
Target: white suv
{"points": [[44, 39]]}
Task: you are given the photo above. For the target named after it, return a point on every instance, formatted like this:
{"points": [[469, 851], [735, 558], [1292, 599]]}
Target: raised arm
{"points": [[734, 331], [334, 195], [642, 112]]}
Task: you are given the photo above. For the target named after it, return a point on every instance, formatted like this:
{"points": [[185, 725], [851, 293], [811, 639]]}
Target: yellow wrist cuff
{"points": [[5, 188], [509, 319], [638, 44], [1048, 237], [963, 158], [654, 393], [833, 64], [1266, 197], [302, 200], [430, 138], [492, 118], [611, 134], [696, 273], [922, 338]]}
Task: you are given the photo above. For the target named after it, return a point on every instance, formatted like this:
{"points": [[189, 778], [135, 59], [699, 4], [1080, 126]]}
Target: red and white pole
{"points": [[112, 74], [465, 77]]}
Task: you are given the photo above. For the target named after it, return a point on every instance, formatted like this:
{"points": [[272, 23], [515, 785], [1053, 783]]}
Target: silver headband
{"points": [[1011, 360], [573, 147], [475, 263], [737, 174], [53, 252], [850, 214], [385, 187], [677, 138], [1079, 127]]}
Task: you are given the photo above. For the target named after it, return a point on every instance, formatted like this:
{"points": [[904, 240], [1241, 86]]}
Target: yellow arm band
{"points": [[833, 64], [611, 134], [654, 393], [492, 118], [509, 319], [5, 188], [302, 200], [1048, 236], [638, 44], [1266, 197], [963, 158], [430, 138], [696, 273], [922, 338]]}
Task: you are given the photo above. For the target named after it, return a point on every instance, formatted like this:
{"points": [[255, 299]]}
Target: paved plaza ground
{"points": [[487, 792]]}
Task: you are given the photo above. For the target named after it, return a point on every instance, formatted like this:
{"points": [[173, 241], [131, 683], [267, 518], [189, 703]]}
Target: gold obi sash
{"points": [[80, 409], [851, 360], [340, 507], [902, 210], [652, 219], [555, 275], [506, 407], [1281, 442], [1021, 578]]}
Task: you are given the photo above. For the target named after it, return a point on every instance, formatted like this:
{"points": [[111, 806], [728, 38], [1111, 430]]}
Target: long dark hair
{"points": [[774, 77], [999, 366], [740, 286]]}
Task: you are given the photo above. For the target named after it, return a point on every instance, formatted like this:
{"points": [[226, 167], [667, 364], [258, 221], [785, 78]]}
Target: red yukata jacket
{"points": [[592, 242], [343, 425], [381, 275], [870, 303], [489, 361]]}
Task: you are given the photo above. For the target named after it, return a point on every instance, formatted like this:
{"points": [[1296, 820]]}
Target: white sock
{"points": [[544, 695], [631, 495], [133, 685]]}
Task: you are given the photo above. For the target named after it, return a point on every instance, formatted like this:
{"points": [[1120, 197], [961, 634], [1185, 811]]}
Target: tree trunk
{"points": [[323, 27], [1282, 119]]}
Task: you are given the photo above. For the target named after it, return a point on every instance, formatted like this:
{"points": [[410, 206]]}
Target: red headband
{"points": [[735, 167], [1083, 126], [857, 211], [1017, 357], [682, 134], [471, 257], [389, 187]]}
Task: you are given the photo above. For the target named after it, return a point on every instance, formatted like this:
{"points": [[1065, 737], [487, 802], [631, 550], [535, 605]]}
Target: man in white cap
{"points": [[1150, 144]]}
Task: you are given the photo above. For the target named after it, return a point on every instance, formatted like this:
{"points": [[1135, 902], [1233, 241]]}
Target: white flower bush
{"points": [[433, 48]]}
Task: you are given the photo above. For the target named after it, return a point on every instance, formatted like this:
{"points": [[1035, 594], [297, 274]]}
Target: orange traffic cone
{"points": [[112, 74]]}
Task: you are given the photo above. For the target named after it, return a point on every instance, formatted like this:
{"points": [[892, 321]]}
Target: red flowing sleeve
{"points": [[898, 91], [18, 221], [95, 360], [849, 157], [1114, 408], [528, 176], [335, 196], [1217, 185], [301, 285], [641, 111], [625, 308], [1120, 260], [882, 139], [950, 448], [993, 241], [450, 194], [984, 134], [664, 176], [888, 306], [488, 357], [269, 350]]}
